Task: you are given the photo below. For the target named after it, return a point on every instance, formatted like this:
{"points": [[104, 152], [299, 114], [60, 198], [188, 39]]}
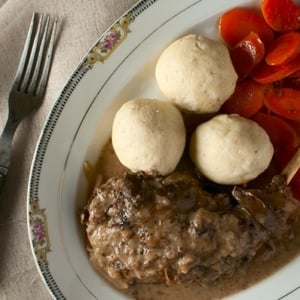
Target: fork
{"points": [[28, 89]]}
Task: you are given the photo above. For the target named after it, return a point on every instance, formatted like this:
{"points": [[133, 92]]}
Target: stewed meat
{"points": [[156, 229]]}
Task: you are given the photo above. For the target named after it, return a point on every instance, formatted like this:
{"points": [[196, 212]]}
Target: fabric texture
{"points": [[81, 22]]}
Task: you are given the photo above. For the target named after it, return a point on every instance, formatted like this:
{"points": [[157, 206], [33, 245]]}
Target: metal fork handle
{"points": [[3, 173], [5, 148]]}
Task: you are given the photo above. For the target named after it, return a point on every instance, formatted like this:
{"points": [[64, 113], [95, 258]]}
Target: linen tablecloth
{"points": [[81, 22]]}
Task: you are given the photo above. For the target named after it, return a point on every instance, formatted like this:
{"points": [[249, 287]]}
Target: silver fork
{"points": [[30, 82]]}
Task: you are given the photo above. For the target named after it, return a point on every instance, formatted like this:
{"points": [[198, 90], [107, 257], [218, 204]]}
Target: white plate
{"points": [[119, 66]]}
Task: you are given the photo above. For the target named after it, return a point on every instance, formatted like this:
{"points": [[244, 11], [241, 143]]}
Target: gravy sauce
{"points": [[246, 276]]}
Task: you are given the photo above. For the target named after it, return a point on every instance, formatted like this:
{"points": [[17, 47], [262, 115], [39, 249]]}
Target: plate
{"points": [[119, 66]]}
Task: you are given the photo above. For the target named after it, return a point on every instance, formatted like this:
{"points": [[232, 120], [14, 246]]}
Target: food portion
{"points": [[196, 74], [191, 202], [155, 229], [281, 15], [238, 22], [149, 135], [230, 149]]}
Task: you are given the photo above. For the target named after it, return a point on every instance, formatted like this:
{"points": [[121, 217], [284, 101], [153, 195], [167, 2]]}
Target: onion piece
{"points": [[292, 167]]}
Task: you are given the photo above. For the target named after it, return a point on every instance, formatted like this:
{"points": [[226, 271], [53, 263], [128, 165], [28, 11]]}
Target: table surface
{"points": [[81, 23]]}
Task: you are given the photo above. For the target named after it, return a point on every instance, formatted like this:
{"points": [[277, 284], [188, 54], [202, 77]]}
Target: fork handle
{"points": [[5, 148], [3, 173]]}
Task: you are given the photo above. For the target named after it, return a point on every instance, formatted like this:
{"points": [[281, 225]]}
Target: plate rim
{"points": [[33, 209]]}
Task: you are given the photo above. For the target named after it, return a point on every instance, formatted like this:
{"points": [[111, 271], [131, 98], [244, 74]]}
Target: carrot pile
{"points": [[264, 46]]}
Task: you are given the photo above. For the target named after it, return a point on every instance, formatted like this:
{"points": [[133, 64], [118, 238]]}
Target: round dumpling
{"points": [[149, 135], [230, 149], [196, 73]]}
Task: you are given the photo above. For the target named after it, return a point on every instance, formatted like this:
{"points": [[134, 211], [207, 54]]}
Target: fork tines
{"points": [[34, 66]]}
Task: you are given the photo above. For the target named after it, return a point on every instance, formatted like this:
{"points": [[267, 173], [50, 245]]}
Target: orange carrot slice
{"points": [[285, 103], [283, 49], [249, 52], [281, 15], [279, 130], [247, 99], [267, 74], [238, 22]]}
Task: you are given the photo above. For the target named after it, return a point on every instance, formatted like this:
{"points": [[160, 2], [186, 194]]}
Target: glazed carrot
{"points": [[268, 74], [283, 49], [281, 15], [246, 54], [285, 103], [247, 99], [295, 74], [279, 130], [238, 22], [293, 80]]}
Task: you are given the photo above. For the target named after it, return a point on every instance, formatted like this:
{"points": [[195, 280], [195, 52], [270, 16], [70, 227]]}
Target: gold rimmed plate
{"points": [[119, 66]]}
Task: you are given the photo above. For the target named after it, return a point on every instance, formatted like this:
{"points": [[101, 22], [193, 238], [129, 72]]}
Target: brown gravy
{"points": [[109, 166], [241, 280]]}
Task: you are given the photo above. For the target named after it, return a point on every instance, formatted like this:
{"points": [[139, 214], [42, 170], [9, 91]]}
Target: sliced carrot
{"points": [[283, 49], [268, 74], [238, 22], [285, 103], [247, 99], [281, 15], [295, 74], [246, 54], [279, 130], [293, 80]]}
